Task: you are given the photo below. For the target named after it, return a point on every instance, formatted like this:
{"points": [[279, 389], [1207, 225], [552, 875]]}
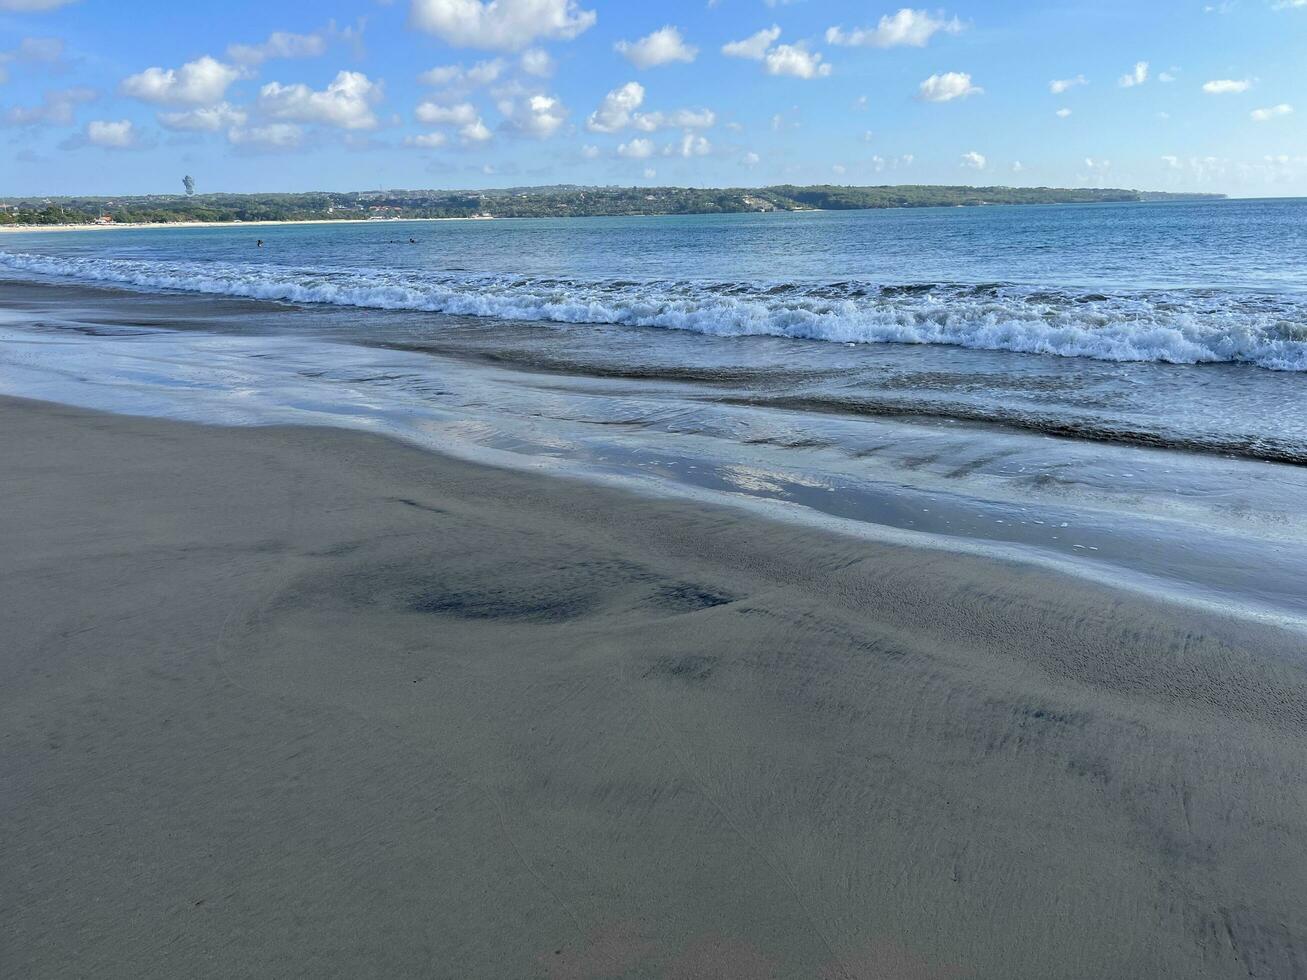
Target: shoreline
{"points": [[355, 707], [16, 229]]}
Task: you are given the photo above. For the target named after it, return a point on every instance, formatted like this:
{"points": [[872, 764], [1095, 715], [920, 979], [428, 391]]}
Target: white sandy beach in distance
{"points": [[87, 226]]}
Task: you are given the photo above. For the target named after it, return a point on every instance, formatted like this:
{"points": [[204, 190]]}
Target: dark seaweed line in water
{"points": [[1255, 448]]}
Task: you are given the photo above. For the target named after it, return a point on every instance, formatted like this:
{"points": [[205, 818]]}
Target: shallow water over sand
{"points": [[1205, 527]]}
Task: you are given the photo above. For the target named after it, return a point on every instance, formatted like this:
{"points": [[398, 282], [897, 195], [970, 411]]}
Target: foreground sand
{"points": [[311, 703]]}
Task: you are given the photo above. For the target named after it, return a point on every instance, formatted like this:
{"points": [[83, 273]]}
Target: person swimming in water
{"points": [[259, 243]]}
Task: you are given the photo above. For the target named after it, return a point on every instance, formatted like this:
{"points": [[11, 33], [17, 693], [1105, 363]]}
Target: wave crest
{"points": [[1177, 326]]}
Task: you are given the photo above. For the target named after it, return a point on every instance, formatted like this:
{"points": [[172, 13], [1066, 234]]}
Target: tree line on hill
{"points": [[541, 202]]}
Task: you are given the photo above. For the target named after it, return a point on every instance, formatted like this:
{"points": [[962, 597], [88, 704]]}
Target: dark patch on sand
{"points": [[690, 667]]}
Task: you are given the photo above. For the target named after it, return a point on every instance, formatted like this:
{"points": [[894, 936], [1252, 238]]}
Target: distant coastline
{"points": [[260, 223], [564, 201]]}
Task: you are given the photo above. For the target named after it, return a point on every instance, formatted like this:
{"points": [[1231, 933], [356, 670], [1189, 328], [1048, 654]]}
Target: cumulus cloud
{"points": [[907, 28], [690, 146], [974, 160], [56, 108], [205, 119], [947, 87], [35, 50], [538, 116], [1271, 112], [111, 135], [345, 103], [426, 141], [796, 61], [637, 149], [501, 24], [1227, 86], [274, 136], [615, 110], [435, 114], [481, 73], [590, 151], [1136, 77], [754, 46], [618, 111], [536, 61], [203, 81], [1059, 85], [751, 160], [280, 44], [1063, 113], [663, 47], [475, 132]]}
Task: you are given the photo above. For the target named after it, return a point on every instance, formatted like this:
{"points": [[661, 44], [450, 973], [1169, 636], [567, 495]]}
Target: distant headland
{"points": [[559, 201]]}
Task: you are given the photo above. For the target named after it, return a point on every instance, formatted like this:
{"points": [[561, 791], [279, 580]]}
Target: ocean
{"points": [[1114, 390]]}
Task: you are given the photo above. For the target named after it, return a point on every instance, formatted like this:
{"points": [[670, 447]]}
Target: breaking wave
{"points": [[1175, 326]]}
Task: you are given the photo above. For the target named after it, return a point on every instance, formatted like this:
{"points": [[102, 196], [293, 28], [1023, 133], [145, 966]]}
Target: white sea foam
{"points": [[1181, 327]]}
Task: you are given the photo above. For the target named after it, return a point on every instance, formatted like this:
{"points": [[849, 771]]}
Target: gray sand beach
{"points": [[296, 702]]}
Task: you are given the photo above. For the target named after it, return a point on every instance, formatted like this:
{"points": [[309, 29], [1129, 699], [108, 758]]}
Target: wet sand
{"points": [[308, 702]]}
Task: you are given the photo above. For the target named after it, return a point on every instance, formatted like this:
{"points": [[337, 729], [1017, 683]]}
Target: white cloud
{"points": [[1017, 166], [617, 111], [203, 81], [636, 149], [1168, 76], [691, 146], [46, 50], [536, 61], [56, 108], [1271, 112], [539, 116], [1227, 86], [590, 151], [650, 173], [482, 73], [205, 119], [947, 87], [907, 28], [1172, 162], [276, 136], [1059, 85], [1136, 77], [501, 24], [280, 44], [838, 169], [119, 135], [974, 160], [426, 141], [751, 159], [434, 114], [475, 132], [676, 119], [796, 61], [28, 6], [1063, 113], [663, 47], [346, 102], [754, 46]]}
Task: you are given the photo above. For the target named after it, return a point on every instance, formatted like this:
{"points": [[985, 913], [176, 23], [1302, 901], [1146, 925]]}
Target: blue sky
{"points": [[110, 96]]}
